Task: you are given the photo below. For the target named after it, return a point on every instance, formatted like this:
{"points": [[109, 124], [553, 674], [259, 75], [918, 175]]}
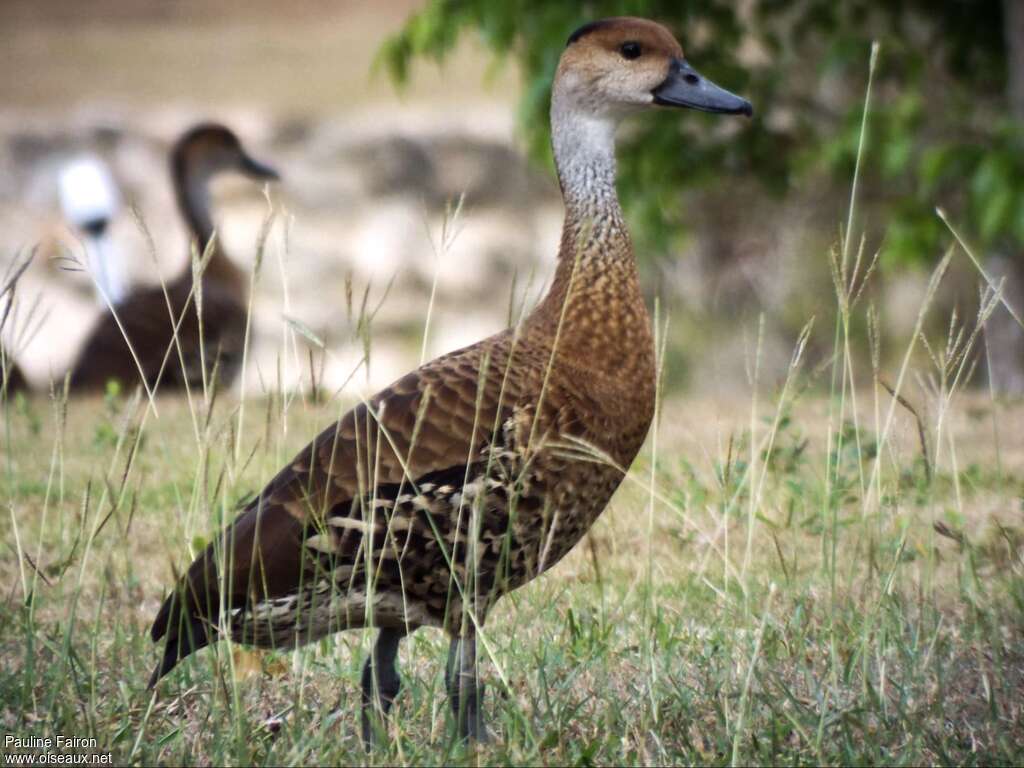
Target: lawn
{"points": [[781, 579]]}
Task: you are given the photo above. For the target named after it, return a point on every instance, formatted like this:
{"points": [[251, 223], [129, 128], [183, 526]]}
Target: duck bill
{"points": [[257, 170], [685, 87]]}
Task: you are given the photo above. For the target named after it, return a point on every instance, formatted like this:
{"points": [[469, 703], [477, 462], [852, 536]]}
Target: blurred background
{"points": [[381, 114]]}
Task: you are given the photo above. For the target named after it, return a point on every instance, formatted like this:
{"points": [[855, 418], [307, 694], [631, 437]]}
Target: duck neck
{"points": [[595, 301], [584, 149], [192, 190]]}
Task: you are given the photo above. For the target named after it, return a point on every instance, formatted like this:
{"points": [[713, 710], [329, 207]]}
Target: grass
{"points": [[759, 592], [824, 572], [800, 578]]}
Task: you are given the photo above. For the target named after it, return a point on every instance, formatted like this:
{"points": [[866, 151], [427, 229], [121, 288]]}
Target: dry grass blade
{"points": [[977, 265], [921, 434], [944, 530], [304, 331]]}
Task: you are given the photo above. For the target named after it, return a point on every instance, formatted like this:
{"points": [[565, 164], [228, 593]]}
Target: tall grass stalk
{"points": [[841, 369]]}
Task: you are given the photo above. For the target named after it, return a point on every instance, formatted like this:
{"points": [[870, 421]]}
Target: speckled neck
{"points": [[594, 305], [594, 235], [584, 148]]}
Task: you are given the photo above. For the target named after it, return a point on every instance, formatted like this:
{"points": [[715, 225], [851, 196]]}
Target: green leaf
{"points": [[896, 156], [932, 168], [987, 179], [995, 213], [1017, 218]]}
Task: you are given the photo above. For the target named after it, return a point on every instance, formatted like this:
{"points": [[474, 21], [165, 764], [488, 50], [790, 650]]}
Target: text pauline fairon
{"points": [[59, 742]]}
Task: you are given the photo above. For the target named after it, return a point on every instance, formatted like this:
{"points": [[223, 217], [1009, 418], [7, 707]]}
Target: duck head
{"points": [[208, 149], [200, 154], [616, 66]]}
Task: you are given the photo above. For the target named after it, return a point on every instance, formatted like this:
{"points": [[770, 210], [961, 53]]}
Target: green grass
{"points": [[754, 609]]}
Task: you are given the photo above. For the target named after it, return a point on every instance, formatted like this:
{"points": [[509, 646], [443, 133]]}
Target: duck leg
{"points": [[381, 681], [464, 688]]}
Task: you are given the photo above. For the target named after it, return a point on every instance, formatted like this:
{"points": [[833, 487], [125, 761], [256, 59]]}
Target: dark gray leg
{"points": [[464, 688], [380, 680]]}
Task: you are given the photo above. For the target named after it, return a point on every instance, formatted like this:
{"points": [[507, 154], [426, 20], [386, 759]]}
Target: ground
{"points": [[787, 603]]}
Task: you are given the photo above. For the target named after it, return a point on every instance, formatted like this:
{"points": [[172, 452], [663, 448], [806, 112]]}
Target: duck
{"points": [[201, 153], [477, 472], [90, 201]]}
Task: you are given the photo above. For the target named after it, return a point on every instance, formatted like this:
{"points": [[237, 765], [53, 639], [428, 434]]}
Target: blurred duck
{"points": [[495, 459], [200, 154], [89, 199]]}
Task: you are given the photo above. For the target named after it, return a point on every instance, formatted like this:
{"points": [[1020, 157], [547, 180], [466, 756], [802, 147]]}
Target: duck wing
{"points": [[433, 422]]}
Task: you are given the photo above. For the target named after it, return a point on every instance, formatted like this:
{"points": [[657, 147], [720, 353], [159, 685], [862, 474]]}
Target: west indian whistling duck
{"points": [[475, 473], [89, 199], [199, 155]]}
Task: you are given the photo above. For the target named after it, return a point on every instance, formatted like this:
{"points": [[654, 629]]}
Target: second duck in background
{"points": [[148, 317]]}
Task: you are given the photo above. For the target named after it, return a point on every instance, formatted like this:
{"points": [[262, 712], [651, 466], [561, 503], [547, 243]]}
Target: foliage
{"points": [[940, 133]]}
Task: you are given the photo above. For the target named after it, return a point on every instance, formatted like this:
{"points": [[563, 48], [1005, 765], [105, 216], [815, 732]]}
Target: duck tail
{"points": [[186, 632]]}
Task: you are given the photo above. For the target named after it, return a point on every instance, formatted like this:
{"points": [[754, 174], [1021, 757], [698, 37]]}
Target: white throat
{"points": [[584, 148]]}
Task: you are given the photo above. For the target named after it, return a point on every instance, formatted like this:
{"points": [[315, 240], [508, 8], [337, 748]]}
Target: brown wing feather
{"points": [[436, 418]]}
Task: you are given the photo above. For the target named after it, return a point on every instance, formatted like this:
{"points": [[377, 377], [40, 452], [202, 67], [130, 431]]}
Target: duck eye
{"points": [[630, 50]]}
